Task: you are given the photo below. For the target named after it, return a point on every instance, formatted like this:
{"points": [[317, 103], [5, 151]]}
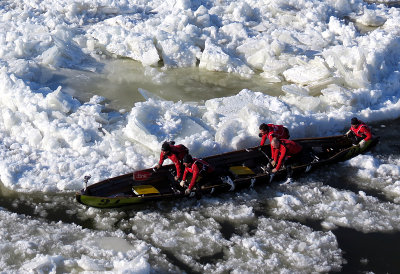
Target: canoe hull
{"points": [[107, 202], [234, 170]]}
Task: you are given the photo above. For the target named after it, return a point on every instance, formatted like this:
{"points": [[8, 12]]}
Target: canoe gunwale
{"points": [[92, 195]]}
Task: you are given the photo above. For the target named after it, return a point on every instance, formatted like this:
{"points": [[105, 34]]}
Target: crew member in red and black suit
{"points": [[359, 133], [285, 152], [175, 154], [199, 169], [268, 131]]}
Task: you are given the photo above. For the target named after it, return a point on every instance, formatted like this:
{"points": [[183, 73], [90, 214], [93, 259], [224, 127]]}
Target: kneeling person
{"points": [[175, 154], [199, 169], [359, 133], [285, 152], [269, 131]]}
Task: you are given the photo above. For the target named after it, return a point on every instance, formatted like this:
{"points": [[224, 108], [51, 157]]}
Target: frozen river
{"points": [[95, 86]]}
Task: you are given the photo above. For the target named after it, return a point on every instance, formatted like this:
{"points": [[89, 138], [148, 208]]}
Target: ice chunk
{"points": [[215, 59], [370, 18], [313, 71], [178, 54], [337, 95]]}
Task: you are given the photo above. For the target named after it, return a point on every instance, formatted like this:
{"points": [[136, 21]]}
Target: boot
{"points": [[198, 193], [289, 180], [289, 171]]}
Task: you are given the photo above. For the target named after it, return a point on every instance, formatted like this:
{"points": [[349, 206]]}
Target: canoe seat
{"points": [[239, 171], [145, 189]]}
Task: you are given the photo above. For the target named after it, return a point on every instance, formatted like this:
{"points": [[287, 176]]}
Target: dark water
{"points": [[376, 252], [365, 252]]}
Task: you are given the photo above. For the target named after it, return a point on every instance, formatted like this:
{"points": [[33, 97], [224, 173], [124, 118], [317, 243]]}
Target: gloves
{"points": [[347, 133], [187, 191], [176, 178], [182, 183], [362, 144]]}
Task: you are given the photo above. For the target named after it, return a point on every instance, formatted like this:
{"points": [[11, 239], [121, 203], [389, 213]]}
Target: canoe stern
{"points": [[106, 202]]}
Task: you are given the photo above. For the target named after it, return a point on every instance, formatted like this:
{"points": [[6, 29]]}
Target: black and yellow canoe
{"points": [[234, 170]]}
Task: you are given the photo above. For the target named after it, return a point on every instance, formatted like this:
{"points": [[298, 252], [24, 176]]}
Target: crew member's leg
{"points": [[289, 162]]}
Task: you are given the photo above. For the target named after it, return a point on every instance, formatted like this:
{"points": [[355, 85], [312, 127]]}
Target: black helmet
{"points": [[354, 121], [166, 147], [264, 127], [187, 159]]}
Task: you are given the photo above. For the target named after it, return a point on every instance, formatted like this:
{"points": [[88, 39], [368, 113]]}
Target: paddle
{"points": [[271, 176], [266, 155], [85, 180]]}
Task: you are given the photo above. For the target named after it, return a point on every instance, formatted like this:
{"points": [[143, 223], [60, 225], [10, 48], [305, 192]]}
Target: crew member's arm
{"points": [[185, 174], [282, 150], [162, 158], [271, 135], [178, 166], [195, 174], [367, 132], [263, 139], [274, 155]]}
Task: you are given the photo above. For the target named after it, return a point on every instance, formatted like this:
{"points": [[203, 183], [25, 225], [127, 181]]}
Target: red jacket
{"points": [[362, 130], [277, 131], [176, 156], [286, 148], [197, 166]]}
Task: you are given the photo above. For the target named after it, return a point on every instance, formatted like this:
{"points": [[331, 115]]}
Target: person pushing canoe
{"points": [[175, 154], [199, 169], [268, 131], [359, 133], [285, 152]]}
